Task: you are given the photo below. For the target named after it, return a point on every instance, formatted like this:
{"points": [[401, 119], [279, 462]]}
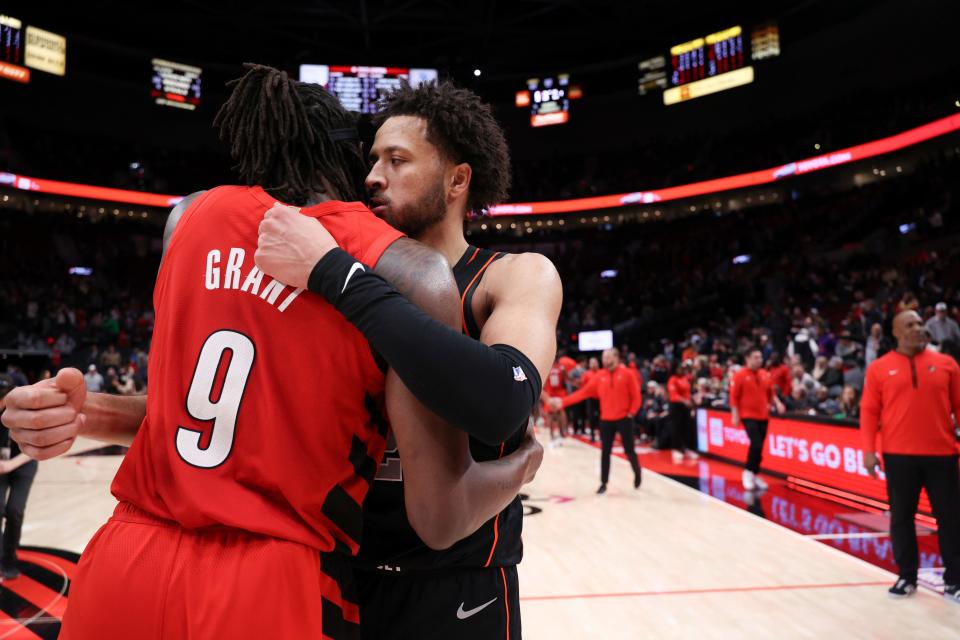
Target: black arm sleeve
{"points": [[488, 391]]}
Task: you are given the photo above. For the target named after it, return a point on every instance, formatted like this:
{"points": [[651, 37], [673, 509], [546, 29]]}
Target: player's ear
{"points": [[460, 180]]}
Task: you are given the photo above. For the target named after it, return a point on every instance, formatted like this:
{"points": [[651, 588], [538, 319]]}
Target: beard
{"points": [[422, 214]]}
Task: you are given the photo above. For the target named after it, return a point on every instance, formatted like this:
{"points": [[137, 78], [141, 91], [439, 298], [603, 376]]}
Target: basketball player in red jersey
{"points": [[555, 387], [438, 155], [241, 473]]}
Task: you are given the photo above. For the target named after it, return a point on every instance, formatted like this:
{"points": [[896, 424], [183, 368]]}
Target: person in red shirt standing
{"points": [[751, 394], [780, 375], [555, 386], [618, 391], [908, 398], [591, 407], [679, 394]]}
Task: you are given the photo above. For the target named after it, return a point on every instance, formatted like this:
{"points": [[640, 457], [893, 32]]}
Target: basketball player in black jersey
{"points": [[438, 155]]}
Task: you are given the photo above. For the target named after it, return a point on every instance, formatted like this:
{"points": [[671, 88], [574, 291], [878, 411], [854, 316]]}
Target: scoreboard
{"points": [[550, 100], [359, 89], [22, 47], [707, 65], [175, 84], [715, 62], [707, 57]]}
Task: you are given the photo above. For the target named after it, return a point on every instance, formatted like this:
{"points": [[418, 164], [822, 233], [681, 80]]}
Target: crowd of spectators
{"points": [[817, 280]]}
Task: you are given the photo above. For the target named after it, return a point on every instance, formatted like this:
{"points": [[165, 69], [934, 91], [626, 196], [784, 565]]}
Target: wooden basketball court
{"points": [[665, 561]]}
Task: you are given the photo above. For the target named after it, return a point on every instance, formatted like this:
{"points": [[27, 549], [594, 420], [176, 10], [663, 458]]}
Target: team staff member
{"points": [[751, 394], [618, 391], [908, 398], [681, 402], [556, 387], [17, 472]]}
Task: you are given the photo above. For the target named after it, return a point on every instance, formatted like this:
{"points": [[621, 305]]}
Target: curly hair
{"points": [[463, 128], [282, 134]]}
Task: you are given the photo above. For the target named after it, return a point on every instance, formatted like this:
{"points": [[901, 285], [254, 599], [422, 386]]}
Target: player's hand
{"points": [[5, 467], [781, 409], [555, 404], [44, 418], [872, 462], [290, 245], [535, 453]]}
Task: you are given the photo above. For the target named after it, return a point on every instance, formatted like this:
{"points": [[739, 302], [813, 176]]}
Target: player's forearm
{"points": [[577, 397], [486, 489], [113, 419], [453, 375]]}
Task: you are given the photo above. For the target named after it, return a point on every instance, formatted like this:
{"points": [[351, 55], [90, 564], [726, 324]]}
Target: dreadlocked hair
{"points": [[463, 128], [278, 128]]}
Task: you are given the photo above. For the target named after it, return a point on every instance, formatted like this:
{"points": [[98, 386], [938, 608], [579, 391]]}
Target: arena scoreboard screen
{"points": [[359, 89], [11, 50], [28, 46], [549, 100], [175, 84], [707, 65]]}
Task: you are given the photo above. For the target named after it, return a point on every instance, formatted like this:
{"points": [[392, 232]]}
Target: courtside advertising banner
{"points": [[826, 454]]}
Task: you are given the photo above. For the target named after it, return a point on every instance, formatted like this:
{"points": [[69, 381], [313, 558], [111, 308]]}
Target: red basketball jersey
{"points": [[556, 384], [263, 410]]}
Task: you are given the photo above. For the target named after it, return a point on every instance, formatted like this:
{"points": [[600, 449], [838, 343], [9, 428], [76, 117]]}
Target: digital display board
{"points": [[653, 75], [359, 89], [45, 51], [708, 65], [820, 453], [707, 57], [765, 41], [175, 84], [595, 340], [549, 100], [11, 50]]}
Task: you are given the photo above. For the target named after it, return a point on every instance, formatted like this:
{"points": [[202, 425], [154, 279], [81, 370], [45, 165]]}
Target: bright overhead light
{"points": [[476, 72]]}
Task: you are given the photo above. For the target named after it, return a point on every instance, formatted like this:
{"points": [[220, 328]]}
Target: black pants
{"points": [[18, 483], [757, 432], [682, 425], [608, 430], [463, 603], [940, 476]]}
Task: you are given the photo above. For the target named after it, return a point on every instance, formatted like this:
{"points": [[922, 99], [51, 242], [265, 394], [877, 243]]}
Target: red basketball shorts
{"points": [[146, 578]]}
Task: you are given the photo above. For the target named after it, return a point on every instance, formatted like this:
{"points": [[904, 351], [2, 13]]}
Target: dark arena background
{"points": [[709, 180]]}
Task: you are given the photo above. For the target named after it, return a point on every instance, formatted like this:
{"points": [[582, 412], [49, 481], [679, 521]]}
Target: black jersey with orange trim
{"points": [[389, 542]]}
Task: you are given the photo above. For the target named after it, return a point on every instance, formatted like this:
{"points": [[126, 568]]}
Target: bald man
{"points": [[909, 399], [618, 390]]}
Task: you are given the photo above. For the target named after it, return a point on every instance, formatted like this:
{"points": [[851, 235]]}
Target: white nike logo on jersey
{"points": [[463, 615], [356, 267], [893, 372]]}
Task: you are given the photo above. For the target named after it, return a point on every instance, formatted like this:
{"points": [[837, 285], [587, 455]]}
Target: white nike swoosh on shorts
{"points": [[463, 615], [356, 267]]}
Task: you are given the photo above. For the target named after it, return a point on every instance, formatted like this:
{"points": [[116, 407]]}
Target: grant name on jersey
{"points": [[250, 281]]}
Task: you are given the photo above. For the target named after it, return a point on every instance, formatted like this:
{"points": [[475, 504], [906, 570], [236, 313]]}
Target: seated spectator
{"points": [[854, 376], [799, 401], [110, 357], [876, 344], [832, 379], [704, 396], [92, 379], [942, 327], [849, 405], [826, 406], [820, 368]]}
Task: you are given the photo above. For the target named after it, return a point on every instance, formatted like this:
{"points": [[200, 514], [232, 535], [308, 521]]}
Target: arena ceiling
{"points": [[503, 38]]}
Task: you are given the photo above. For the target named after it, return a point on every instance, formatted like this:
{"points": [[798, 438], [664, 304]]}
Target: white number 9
{"points": [[224, 411]]}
